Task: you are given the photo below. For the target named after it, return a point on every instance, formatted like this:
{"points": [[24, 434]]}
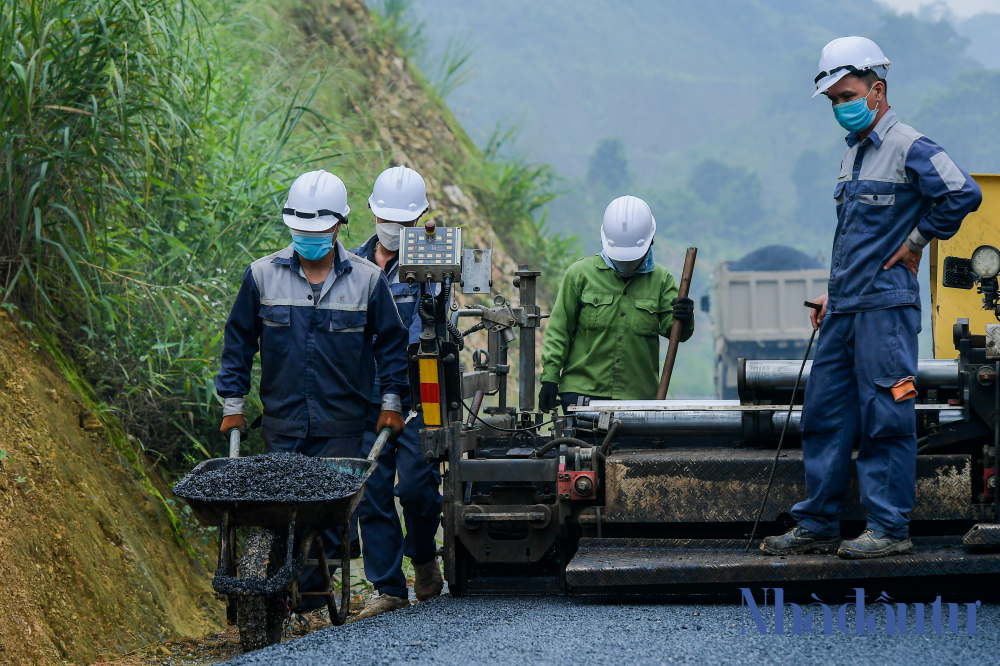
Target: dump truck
{"points": [[758, 310]]}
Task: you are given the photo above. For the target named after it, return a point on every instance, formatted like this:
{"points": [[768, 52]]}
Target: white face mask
{"points": [[388, 234]]}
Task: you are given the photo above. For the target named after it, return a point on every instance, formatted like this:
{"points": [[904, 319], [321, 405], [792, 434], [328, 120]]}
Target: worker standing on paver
{"points": [[602, 341], [399, 199], [897, 190], [321, 318]]}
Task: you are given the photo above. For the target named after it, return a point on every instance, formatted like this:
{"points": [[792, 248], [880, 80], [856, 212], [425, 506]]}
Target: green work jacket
{"points": [[603, 336]]}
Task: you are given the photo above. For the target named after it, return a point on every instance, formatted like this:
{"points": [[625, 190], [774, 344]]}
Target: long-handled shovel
{"points": [[675, 331]]}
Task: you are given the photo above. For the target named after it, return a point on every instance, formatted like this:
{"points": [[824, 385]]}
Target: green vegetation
{"points": [[142, 163], [395, 17], [147, 146], [515, 193]]}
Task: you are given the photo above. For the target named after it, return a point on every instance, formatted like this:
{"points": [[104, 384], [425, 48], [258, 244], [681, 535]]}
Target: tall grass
{"points": [[454, 69], [514, 193], [396, 19], [142, 165], [146, 148]]}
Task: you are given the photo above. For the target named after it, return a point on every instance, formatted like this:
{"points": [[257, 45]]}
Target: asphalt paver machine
{"points": [[656, 498]]}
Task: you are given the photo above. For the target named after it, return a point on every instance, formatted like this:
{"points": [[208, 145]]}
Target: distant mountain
{"points": [[662, 75], [681, 81], [704, 109]]}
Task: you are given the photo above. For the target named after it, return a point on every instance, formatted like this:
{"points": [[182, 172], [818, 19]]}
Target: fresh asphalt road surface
{"points": [[523, 631]]}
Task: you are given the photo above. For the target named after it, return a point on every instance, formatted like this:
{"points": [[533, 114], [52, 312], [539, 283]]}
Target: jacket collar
{"points": [[877, 135], [341, 263], [367, 249]]}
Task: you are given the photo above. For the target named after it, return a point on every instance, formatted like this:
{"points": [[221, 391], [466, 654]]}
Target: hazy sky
{"points": [[961, 8]]}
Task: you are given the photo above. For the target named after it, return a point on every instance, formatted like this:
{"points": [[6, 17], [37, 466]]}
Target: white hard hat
{"points": [[399, 195], [316, 201], [849, 55], [628, 229]]}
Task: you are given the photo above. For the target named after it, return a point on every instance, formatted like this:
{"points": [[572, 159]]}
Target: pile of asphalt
{"points": [[775, 258], [272, 477]]}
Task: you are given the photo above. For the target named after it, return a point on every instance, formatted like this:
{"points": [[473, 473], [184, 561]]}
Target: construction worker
{"points": [[602, 341], [897, 189], [398, 199], [321, 318]]}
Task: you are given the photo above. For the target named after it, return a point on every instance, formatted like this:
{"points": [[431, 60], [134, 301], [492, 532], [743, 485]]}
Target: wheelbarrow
{"points": [[258, 589]]}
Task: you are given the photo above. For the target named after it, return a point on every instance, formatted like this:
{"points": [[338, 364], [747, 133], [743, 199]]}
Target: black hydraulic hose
{"points": [[426, 309], [606, 444], [781, 440], [455, 333], [445, 299], [478, 327], [548, 446], [449, 324]]}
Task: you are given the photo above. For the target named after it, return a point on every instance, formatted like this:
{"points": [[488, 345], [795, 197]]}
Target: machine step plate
{"points": [[727, 485], [683, 566]]}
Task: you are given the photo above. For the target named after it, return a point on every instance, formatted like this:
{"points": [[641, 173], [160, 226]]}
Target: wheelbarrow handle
{"points": [[384, 436], [234, 443]]}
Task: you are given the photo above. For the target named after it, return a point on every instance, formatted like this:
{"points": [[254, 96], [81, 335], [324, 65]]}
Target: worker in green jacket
{"points": [[602, 341]]}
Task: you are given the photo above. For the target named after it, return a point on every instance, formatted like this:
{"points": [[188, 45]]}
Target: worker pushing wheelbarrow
{"points": [[261, 586], [329, 334]]}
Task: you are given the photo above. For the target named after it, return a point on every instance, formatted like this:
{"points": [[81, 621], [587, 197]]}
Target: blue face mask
{"points": [[312, 246], [855, 116]]}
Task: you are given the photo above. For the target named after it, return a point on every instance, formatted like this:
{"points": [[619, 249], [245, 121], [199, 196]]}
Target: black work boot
{"points": [[873, 543], [798, 541]]}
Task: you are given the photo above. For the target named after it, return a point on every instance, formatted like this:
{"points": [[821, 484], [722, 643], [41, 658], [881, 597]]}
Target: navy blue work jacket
{"points": [[894, 181], [406, 296], [317, 359]]}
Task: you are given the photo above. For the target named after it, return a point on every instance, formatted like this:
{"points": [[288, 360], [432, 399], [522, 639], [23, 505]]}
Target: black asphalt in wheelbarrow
{"points": [[259, 593]]}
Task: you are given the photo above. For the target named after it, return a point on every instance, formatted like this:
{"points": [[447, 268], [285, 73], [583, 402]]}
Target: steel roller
{"points": [[721, 425], [780, 375]]}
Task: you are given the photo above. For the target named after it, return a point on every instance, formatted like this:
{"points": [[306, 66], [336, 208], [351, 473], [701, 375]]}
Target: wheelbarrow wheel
{"points": [[260, 618]]}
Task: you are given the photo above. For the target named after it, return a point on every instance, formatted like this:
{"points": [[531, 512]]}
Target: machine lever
{"points": [[530, 516]]}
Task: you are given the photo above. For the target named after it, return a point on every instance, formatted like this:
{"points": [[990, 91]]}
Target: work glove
{"points": [[683, 310], [234, 421], [390, 419], [548, 397]]}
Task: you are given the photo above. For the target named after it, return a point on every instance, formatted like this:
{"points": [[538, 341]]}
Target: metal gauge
{"points": [[986, 261]]}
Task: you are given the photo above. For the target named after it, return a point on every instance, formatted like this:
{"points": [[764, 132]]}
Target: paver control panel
{"points": [[428, 253]]}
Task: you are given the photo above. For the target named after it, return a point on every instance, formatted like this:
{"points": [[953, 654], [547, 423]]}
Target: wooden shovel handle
{"points": [[675, 331]]}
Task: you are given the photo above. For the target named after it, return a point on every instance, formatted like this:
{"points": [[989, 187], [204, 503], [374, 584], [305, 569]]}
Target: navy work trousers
{"points": [[418, 491], [848, 402], [317, 447]]}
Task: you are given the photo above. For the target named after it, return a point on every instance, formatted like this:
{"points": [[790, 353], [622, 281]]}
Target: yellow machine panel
{"points": [[947, 305]]}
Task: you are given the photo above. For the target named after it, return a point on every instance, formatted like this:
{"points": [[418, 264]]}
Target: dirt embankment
{"points": [[89, 565], [402, 120]]}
